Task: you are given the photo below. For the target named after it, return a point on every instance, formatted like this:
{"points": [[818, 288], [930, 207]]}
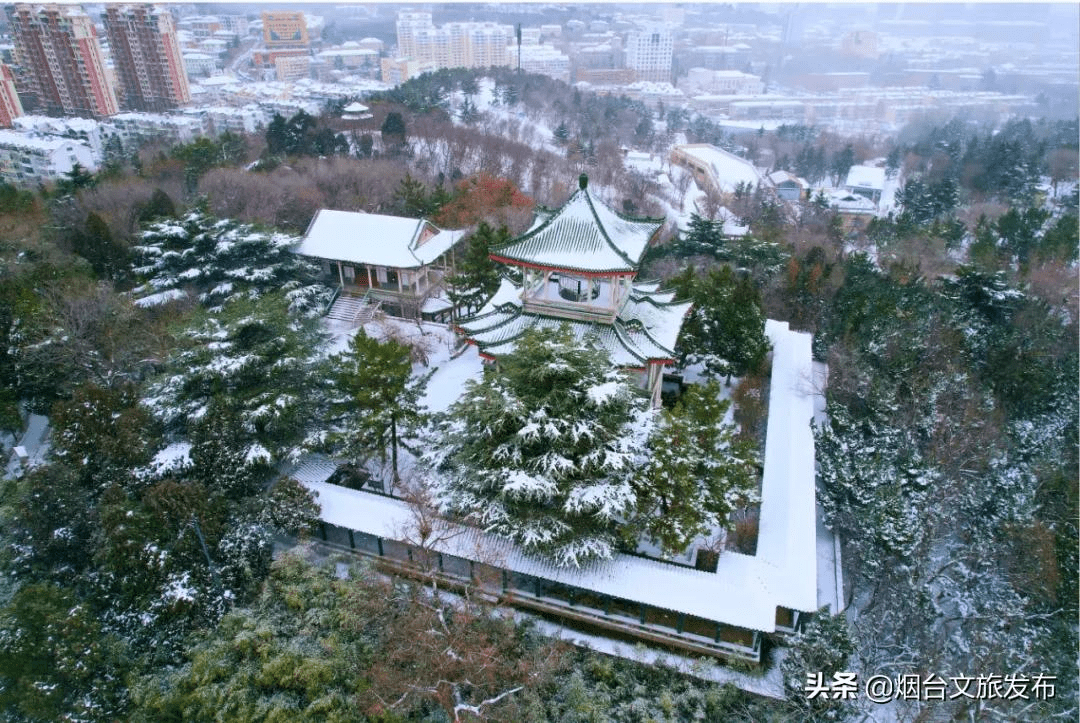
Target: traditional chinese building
{"points": [[397, 263], [578, 266]]}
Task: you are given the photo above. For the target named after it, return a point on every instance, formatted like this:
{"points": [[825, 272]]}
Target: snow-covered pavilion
{"points": [[578, 266], [397, 262]]}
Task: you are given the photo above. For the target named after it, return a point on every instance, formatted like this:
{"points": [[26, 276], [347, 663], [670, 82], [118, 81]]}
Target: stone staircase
{"points": [[353, 309]]}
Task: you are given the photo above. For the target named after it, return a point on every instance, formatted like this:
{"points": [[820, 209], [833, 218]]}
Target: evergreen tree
{"points": [[823, 647], [477, 277], [159, 206], [702, 236], [393, 129], [725, 329], [95, 243], [277, 140], [544, 449], [562, 133], [78, 177], [892, 162], [222, 259], [55, 662], [254, 357], [103, 433], [223, 458], [698, 472], [468, 113], [411, 198], [376, 399], [842, 162]]}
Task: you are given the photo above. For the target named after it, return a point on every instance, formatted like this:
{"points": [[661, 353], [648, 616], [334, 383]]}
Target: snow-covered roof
{"points": [[744, 591], [848, 202], [781, 176], [725, 169], [866, 177], [370, 238], [583, 235], [356, 107], [14, 139], [645, 327]]}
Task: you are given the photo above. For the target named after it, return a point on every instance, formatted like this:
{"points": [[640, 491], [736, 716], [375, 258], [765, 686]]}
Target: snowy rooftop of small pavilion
{"points": [[370, 238], [583, 235], [645, 327], [744, 591]]}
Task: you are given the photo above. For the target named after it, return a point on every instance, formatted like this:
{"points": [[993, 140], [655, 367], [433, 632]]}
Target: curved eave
{"points": [[651, 225], [510, 260]]}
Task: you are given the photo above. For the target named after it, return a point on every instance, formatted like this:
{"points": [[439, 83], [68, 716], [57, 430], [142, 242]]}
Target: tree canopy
{"points": [[544, 449]]}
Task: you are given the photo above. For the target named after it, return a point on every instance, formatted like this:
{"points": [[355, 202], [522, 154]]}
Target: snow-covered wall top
{"points": [[744, 591]]}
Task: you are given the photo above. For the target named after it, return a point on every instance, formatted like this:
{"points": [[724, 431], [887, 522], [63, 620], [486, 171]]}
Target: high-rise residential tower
{"points": [[60, 61], [454, 45], [146, 55], [10, 107], [648, 53]]}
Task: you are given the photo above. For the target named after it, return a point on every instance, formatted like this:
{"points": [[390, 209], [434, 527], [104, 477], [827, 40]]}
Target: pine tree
{"points": [[477, 277], [468, 113], [393, 129], [698, 472], [411, 198], [223, 458], [824, 647], [725, 329], [376, 399], [702, 236], [222, 259], [842, 162], [543, 450], [255, 357]]}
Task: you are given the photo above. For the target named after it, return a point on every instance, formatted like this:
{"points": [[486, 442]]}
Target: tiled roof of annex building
{"points": [[645, 327], [584, 235], [356, 237]]}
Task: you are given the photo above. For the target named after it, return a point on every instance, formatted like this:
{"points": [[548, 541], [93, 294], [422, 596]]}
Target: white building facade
{"points": [[26, 160], [649, 53]]}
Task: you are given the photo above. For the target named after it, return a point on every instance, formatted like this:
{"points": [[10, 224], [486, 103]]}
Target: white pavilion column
{"points": [[340, 274], [656, 382], [369, 284]]}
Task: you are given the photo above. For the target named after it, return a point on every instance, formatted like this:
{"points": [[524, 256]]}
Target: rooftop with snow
{"points": [[370, 238], [748, 592]]}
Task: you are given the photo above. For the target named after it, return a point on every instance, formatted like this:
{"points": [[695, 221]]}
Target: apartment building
{"points": [[10, 106], [27, 160], [649, 52], [284, 28], [134, 129], [408, 24], [61, 66], [395, 71], [454, 45], [150, 68], [545, 60]]}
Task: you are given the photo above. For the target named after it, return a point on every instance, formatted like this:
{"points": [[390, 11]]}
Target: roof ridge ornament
{"points": [[583, 181]]}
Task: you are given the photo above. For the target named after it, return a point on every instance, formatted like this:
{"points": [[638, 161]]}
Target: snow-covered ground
{"points": [[830, 577], [35, 442]]}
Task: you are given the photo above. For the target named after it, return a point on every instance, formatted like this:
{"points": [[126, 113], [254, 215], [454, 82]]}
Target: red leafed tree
{"points": [[486, 198]]}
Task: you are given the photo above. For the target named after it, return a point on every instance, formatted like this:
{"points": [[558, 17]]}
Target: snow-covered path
{"points": [[830, 576], [35, 441]]}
